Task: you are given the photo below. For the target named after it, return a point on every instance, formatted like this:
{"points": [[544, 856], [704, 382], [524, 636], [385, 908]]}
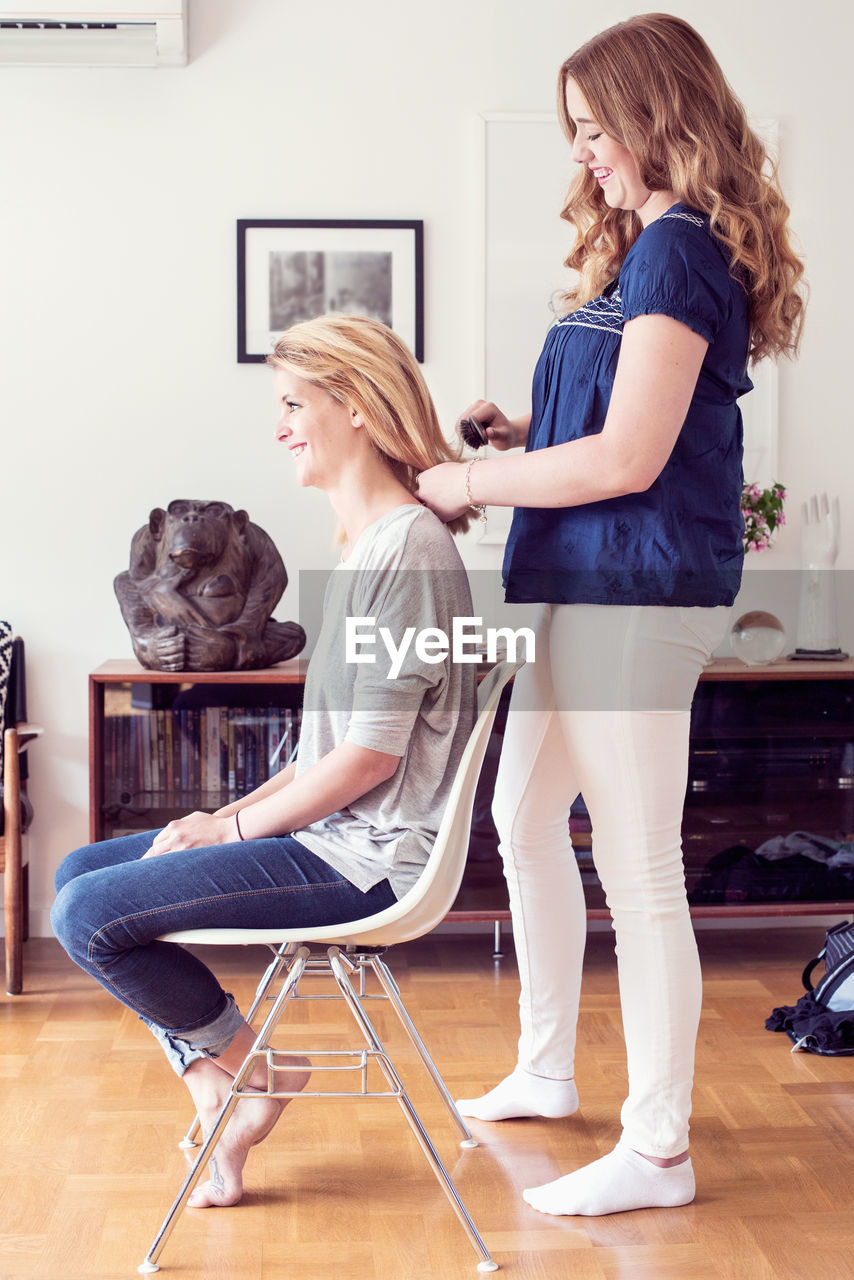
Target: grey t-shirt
{"points": [[404, 571]]}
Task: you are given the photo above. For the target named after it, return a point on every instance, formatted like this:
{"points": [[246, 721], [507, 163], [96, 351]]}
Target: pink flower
{"points": [[762, 512]]}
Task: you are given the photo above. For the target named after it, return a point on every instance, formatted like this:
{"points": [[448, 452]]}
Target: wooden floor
{"points": [[90, 1118]]}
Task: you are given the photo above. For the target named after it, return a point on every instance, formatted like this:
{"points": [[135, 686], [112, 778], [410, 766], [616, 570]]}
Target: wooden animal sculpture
{"points": [[202, 584]]}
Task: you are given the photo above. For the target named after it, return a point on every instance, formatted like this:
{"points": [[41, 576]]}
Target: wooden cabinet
{"points": [[772, 753], [164, 743]]}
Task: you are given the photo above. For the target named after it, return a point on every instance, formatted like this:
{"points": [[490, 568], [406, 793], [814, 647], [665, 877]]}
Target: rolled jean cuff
{"points": [[208, 1041], [215, 1037], [179, 1054]]}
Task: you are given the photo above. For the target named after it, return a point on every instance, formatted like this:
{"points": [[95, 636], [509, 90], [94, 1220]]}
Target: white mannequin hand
{"points": [[820, 532], [819, 548]]}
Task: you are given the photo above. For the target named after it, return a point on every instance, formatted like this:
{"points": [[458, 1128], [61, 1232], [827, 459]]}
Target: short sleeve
{"points": [[675, 269]]}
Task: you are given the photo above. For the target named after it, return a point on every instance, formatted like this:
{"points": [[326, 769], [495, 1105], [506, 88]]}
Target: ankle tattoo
{"points": [[216, 1179]]}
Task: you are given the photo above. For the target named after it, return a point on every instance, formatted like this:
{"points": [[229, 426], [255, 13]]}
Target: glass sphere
{"points": [[757, 638]]}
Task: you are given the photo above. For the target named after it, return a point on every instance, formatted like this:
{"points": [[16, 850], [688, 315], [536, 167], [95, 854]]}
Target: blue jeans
{"points": [[112, 905]]}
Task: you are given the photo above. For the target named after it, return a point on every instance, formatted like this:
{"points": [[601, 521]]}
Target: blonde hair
{"points": [[653, 85], [365, 365]]}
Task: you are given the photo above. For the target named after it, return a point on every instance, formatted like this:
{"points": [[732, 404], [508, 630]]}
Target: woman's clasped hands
{"points": [[194, 831]]}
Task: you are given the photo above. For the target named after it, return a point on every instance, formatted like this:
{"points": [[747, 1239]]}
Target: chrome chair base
{"points": [[291, 962]]}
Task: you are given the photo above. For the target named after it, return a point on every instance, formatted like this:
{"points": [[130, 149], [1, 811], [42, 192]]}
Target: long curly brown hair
{"points": [[653, 84]]}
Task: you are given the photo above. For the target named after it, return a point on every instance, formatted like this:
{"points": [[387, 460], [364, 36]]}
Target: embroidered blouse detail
{"points": [[696, 219], [599, 313]]}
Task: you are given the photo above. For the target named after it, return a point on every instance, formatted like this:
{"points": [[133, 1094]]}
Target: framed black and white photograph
{"points": [[289, 271]]}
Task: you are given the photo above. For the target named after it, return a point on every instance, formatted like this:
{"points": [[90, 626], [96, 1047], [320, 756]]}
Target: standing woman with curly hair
{"points": [[627, 531]]}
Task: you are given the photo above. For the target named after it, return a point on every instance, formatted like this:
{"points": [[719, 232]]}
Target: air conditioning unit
{"points": [[98, 33]]}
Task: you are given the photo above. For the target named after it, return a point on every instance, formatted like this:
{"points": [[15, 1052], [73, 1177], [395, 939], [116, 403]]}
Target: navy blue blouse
{"points": [[680, 542]]}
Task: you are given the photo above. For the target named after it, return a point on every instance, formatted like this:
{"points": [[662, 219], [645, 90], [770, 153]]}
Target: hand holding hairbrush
{"points": [[473, 434]]}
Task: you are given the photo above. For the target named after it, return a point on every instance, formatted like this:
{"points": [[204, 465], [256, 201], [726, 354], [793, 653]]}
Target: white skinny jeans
{"points": [[605, 711]]}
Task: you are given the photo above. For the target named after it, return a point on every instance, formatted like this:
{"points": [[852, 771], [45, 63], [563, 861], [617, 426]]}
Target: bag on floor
{"points": [[823, 1020]]}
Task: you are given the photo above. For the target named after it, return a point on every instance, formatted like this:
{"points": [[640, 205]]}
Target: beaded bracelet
{"points": [[475, 506], [237, 823]]}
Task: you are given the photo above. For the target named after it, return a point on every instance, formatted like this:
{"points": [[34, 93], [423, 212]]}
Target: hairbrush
{"points": [[472, 432]]}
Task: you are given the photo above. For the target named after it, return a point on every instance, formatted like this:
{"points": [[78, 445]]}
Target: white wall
{"points": [[119, 388]]}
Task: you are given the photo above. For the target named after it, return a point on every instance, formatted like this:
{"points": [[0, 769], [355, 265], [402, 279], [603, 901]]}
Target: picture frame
{"points": [[289, 270]]}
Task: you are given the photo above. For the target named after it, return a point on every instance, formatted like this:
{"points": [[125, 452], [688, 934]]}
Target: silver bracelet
{"points": [[475, 506]]}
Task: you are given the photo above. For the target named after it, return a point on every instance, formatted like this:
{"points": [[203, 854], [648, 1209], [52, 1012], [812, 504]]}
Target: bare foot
{"points": [[250, 1123]]}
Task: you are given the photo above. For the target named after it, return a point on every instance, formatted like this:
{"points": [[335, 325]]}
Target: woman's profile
{"points": [[345, 830]]}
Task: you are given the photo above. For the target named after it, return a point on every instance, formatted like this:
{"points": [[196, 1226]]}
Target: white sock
{"points": [[523, 1094], [621, 1180]]}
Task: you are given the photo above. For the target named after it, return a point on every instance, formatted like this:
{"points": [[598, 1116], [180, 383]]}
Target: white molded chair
{"points": [[343, 951]]}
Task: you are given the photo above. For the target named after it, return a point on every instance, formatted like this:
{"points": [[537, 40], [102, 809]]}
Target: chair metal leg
{"points": [[294, 965], [389, 985], [262, 1039], [340, 966], [150, 1264], [281, 958]]}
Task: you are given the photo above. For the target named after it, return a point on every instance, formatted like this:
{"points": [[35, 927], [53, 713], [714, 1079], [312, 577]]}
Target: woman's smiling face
{"points": [[612, 165], [317, 428]]}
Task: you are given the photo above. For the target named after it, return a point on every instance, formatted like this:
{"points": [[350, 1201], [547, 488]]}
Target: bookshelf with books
{"points": [[164, 743]]}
